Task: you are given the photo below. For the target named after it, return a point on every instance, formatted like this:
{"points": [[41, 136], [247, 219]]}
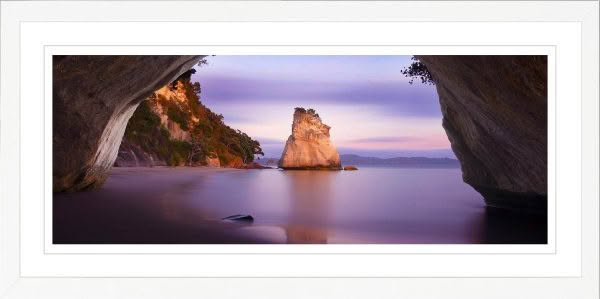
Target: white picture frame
{"points": [[30, 28]]}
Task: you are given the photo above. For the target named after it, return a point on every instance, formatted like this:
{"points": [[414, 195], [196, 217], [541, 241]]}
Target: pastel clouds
{"points": [[365, 99]]}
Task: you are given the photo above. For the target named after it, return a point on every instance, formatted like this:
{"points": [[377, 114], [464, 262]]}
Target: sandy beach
{"points": [[143, 206], [186, 205]]}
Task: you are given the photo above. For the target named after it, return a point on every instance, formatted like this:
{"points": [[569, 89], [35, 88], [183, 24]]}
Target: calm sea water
{"points": [[371, 205]]}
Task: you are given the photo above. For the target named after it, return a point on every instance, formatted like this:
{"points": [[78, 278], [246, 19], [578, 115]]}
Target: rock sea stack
{"points": [[309, 146], [350, 167]]}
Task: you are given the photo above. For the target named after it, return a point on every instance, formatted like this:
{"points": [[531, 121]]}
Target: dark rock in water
{"points": [[495, 116], [350, 167], [239, 217], [93, 97]]}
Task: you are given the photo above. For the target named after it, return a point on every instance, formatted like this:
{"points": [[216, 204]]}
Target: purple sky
{"points": [[372, 109]]}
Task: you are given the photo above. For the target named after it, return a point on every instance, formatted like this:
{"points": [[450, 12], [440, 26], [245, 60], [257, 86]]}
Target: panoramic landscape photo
{"points": [[299, 149]]}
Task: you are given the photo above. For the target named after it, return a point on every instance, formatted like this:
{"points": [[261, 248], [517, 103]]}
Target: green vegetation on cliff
{"points": [[208, 134], [145, 131]]}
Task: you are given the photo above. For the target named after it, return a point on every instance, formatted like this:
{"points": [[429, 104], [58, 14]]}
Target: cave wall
{"points": [[495, 115], [93, 98]]}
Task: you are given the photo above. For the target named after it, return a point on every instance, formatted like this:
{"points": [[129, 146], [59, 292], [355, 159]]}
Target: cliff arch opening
{"points": [[493, 107]]}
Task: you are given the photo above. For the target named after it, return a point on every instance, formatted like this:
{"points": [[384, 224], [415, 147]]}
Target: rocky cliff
{"points": [[93, 97], [309, 146], [495, 115], [173, 128], [151, 137]]}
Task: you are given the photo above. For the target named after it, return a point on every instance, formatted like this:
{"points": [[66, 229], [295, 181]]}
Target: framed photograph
{"points": [[155, 149]]}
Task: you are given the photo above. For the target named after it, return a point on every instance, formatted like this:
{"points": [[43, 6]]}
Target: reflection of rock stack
{"points": [[305, 235], [309, 206], [309, 146]]}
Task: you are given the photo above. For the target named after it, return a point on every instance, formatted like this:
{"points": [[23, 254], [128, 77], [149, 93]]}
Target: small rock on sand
{"points": [[239, 217]]}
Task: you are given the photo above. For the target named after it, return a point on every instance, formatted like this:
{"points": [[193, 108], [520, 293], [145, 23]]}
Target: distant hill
{"points": [[267, 161], [407, 162], [419, 162]]}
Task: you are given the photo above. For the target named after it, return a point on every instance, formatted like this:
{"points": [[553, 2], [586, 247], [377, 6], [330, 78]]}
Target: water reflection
{"points": [[169, 201], [310, 205], [371, 206]]}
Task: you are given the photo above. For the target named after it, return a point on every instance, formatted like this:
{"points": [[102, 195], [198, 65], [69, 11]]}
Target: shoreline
{"points": [[139, 205], [186, 205]]}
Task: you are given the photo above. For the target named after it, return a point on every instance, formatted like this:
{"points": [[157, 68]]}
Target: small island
{"points": [[309, 146]]}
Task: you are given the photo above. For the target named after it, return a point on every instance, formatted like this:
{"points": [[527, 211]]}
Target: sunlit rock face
{"points": [[309, 146], [212, 160], [134, 155], [93, 98], [178, 95], [495, 115]]}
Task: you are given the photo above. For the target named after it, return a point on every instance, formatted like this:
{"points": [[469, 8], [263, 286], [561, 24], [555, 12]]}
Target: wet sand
{"points": [[370, 206], [141, 206]]}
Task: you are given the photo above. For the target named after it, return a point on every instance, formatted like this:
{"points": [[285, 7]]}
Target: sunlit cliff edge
{"points": [[173, 128]]}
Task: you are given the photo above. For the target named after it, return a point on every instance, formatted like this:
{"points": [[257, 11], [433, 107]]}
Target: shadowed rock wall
{"points": [[495, 116], [93, 98]]}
